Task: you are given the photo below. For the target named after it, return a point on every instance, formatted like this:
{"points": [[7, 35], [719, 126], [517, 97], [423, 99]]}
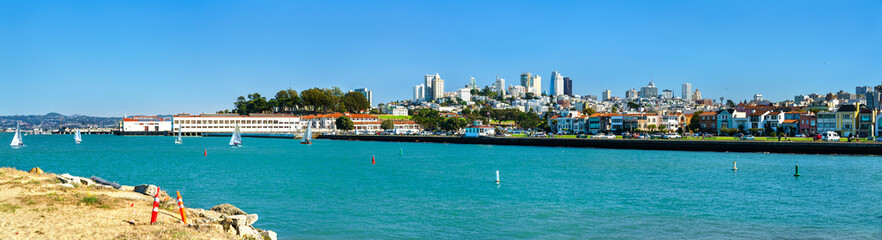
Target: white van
{"points": [[830, 136]]}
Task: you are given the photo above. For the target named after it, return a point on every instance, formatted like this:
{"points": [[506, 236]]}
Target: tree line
{"points": [[312, 100]]}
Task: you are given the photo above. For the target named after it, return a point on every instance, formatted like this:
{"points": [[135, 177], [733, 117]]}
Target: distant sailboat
{"points": [[179, 140], [307, 136], [77, 137], [236, 139], [16, 140]]}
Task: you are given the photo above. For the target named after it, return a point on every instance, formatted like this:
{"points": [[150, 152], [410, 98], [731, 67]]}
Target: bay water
{"points": [[330, 189]]}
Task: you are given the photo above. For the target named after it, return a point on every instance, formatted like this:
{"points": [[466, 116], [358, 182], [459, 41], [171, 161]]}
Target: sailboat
{"points": [[307, 136], [16, 140], [179, 140], [77, 137], [236, 139]]}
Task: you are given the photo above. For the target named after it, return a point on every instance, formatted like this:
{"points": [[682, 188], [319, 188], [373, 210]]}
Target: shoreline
{"points": [[42, 205], [641, 144]]}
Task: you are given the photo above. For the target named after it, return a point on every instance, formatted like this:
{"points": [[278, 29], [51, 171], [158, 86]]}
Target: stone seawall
{"points": [[801, 147]]}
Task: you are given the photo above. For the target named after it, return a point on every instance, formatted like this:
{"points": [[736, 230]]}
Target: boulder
{"points": [[248, 232], [65, 185], [251, 219], [36, 170], [269, 235], [67, 178], [227, 209], [149, 190], [210, 215]]}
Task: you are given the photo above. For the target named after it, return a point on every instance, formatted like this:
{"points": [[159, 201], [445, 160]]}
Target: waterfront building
{"points": [[328, 122], [557, 84], [707, 122], [773, 120], [865, 122], [631, 94], [845, 120], [686, 92], [369, 95], [808, 124], [649, 91], [406, 127], [726, 119], [195, 125], [826, 122], [146, 125], [756, 119], [568, 86], [606, 95], [479, 130]]}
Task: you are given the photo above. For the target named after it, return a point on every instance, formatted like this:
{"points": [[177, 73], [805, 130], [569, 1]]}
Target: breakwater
{"points": [[799, 147]]}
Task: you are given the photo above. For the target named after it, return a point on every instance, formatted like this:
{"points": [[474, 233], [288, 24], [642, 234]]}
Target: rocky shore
{"points": [[40, 205]]}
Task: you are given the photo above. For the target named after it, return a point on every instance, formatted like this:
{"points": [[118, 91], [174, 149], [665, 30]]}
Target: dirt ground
{"points": [[34, 206]]}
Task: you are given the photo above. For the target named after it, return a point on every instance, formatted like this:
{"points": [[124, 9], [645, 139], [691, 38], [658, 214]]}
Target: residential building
{"points": [[757, 97], [862, 90], [649, 91], [557, 84], [667, 94], [568, 86], [808, 124], [756, 119], [427, 88], [419, 92], [707, 122], [517, 91], [845, 120], [499, 86], [865, 122], [631, 94], [606, 95], [826, 122], [729, 119], [369, 95], [686, 92], [437, 87], [465, 94]]}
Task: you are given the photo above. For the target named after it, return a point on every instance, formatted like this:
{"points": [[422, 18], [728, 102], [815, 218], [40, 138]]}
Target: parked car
{"points": [[799, 135], [878, 139], [830, 136], [748, 137], [599, 135], [610, 136], [671, 136], [582, 135]]}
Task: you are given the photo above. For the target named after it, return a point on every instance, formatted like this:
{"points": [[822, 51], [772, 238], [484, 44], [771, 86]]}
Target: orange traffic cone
{"points": [[155, 207], [181, 208]]}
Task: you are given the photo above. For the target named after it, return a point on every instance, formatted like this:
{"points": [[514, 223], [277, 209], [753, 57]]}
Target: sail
{"points": [[179, 140], [16, 140], [236, 139], [307, 136], [77, 136]]}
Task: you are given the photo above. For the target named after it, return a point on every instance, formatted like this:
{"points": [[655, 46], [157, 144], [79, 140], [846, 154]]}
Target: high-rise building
{"points": [[667, 94], [532, 83], [369, 95], [537, 85], [687, 91], [499, 86], [517, 91], [419, 92], [557, 84], [568, 86], [757, 97], [631, 94], [428, 86], [437, 87], [472, 84], [649, 91], [862, 90], [606, 95], [696, 95]]}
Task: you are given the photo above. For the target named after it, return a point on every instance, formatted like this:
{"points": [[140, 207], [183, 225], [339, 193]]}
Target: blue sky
{"points": [[110, 58]]}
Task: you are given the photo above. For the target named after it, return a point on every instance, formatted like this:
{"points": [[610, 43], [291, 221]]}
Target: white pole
{"points": [[734, 166], [497, 176]]}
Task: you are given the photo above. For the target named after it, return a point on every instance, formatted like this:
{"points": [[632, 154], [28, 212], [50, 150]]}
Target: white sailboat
{"points": [[236, 139], [77, 137], [16, 140], [179, 140], [307, 136]]}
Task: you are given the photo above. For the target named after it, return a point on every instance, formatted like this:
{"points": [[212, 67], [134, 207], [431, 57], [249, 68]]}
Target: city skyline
{"points": [[169, 57]]}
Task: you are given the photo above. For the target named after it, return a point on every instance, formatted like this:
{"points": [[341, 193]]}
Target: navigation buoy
{"points": [[206, 153], [734, 166], [373, 160], [400, 151], [797, 171], [497, 176]]}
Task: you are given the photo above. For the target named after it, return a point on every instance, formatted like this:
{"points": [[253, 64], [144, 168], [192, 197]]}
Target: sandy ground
{"points": [[34, 206]]}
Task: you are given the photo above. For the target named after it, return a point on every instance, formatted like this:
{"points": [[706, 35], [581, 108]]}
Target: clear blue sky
{"points": [[110, 58]]}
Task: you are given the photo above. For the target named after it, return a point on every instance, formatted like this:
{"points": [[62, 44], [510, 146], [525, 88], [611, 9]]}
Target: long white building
{"points": [[226, 123]]}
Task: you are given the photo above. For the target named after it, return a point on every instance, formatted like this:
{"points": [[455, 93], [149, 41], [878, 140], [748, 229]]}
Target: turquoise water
{"points": [[330, 190]]}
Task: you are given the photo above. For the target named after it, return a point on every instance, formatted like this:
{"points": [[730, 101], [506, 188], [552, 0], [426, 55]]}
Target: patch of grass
{"points": [[99, 201], [6, 207]]}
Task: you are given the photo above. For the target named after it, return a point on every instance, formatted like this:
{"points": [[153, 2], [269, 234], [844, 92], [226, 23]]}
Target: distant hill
{"points": [[53, 120]]}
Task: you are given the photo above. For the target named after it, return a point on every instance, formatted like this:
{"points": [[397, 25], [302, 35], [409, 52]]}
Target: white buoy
{"points": [[497, 176], [734, 166]]}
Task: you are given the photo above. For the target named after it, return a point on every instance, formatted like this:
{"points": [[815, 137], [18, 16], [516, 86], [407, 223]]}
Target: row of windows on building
{"points": [[230, 122]]}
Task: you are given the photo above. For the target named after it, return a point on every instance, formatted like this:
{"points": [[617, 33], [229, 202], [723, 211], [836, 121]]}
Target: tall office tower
{"points": [[631, 94], [437, 87], [499, 86], [862, 90], [568, 86], [537, 85], [419, 92], [649, 91], [428, 86], [606, 95], [687, 91], [557, 84], [369, 95], [527, 81]]}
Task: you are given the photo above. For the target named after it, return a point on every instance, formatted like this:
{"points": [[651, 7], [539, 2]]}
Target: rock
{"points": [[36, 170], [268, 235], [65, 185], [149, 190], [227, 209], [210, 215], [248, 232], [251, 219]]}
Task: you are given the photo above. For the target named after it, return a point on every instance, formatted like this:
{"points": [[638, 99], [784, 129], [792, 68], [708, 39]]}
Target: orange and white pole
{"points": [[181, 208], [155, 207]]}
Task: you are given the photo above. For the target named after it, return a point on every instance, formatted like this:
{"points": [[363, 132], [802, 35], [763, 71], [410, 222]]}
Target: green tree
{"points": [[316, 99], [730, 103], [387, 124], [588, 111], [694, 122], [633, 105], [355, 102], [344, 123]]}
